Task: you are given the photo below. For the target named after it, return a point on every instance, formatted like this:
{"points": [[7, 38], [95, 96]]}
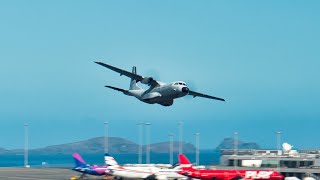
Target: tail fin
{"points": [[109, 160], [184, 162], [133, 82], [78, 160]]}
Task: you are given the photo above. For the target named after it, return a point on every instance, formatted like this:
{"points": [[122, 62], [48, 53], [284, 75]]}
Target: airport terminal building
{"points": [[290, 163]]}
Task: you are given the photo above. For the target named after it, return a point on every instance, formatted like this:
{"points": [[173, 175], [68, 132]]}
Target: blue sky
{"points": [[261, 56]]}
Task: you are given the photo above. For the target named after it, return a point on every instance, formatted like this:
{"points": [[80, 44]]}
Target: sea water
{"points": [[61, 160]]}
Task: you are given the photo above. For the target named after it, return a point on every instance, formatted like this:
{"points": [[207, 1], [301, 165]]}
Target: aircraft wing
{"points": [[117, 89], [129, 74], [195, 94]]}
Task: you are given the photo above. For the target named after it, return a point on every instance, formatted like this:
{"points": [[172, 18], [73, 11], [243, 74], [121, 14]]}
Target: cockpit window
{"points": [[180, 83]]}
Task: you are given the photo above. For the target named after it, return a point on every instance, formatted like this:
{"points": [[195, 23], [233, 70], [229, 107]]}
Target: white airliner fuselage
{"points": [[141, 172]]}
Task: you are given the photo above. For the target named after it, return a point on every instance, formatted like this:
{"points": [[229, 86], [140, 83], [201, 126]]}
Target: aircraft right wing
{"points": [[195, 94], [145, 80]]}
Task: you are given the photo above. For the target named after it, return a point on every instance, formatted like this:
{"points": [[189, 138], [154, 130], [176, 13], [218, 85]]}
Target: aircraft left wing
{"points": [[195, 94], [145, 80], [122, 72]]}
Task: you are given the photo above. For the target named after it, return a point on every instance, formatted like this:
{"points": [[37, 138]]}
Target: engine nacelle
{"points": [[147, 80]]}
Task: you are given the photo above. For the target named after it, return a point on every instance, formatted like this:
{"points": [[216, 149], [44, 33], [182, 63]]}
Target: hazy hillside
{"points": [[123, 146], [164, 147], [228, 143], [96, 145], [2, 151]]}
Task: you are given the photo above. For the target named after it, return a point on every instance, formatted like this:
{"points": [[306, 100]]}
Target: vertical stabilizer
{"points": [[184, 162], [133, 82], [78, 160], [109, 160]]}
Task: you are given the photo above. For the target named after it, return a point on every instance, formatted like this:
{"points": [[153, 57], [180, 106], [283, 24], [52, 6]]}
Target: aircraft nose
{"points": [[185, 90]]}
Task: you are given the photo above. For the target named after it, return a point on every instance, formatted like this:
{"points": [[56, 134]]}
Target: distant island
{"points": [[119, 145], [96, 145], [228, 143]]}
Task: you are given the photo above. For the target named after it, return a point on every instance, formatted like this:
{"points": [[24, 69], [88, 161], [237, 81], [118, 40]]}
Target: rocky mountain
{"points": [[96, 145], [123, 146], [164, 147], [228, 143], [2, 151]]}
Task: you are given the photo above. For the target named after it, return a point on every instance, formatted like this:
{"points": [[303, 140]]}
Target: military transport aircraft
{"points": [[158, 92]]}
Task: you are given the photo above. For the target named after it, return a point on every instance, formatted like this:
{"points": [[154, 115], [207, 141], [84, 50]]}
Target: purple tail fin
{"points": [[78, 160]]}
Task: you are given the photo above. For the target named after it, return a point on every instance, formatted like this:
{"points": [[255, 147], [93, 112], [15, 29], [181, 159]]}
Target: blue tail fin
{"points": [[78, 160]]}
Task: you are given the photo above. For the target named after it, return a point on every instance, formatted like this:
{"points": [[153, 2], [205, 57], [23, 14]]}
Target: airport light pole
{"points": [[140, 124], [148, 143], [197, 148], [278, 149], [278, 141], [180, 127], [171, 147], [106, 138], [235, 161], [26, 145]]}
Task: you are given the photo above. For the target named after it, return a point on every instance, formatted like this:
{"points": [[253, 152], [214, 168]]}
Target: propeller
{"points": [[192, 87], [152, 73]]}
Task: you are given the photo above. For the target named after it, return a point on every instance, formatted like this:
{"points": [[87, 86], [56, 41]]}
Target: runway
{"points": [[39, 174]]}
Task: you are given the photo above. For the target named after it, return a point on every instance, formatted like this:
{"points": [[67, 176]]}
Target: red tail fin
{"points": [[184, 162]]}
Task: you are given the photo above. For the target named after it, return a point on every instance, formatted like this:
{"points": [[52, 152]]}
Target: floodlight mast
{"points": [[235, 161], [197, 148], [278, 134], [171, 147], [148, 142], [140, 126], [26, 146], [180, 127], [106, 138]]}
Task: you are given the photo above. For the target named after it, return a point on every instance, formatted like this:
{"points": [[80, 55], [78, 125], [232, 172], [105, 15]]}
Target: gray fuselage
{"points": [[163, 93]]}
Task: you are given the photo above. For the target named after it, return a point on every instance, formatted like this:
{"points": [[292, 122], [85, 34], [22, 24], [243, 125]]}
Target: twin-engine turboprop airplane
{"points": [[159, 92]]}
